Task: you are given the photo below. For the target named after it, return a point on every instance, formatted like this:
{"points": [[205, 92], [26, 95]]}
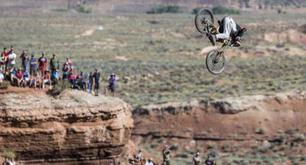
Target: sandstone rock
{"points": [[73, 126]]}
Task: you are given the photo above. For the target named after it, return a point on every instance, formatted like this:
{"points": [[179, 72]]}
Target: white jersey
{"points": [[12, 58], [230, 26]]}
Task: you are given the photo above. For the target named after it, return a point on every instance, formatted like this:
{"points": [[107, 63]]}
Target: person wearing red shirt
{"points": [[42, 64], [19, 76]]}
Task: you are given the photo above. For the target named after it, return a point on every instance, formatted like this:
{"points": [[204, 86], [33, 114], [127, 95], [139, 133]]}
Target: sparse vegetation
{"points": [[160, 9], [4, 85], [59, 87], [224, 10]]}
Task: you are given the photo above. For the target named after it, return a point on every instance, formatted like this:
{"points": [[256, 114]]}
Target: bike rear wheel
{"points": [[204, 20], [215, 61]]}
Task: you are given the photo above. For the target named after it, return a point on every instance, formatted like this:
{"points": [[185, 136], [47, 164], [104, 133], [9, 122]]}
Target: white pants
{"points": [[229, 26]]}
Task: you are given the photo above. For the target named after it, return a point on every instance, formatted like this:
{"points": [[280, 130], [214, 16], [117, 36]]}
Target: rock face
{"points": [[237, 122], [72, 127]]}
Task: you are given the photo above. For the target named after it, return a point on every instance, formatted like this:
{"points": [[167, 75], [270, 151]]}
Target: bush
{"points": [[165, 9], [224, 10], [4, 85], [83, 9], [8, 153], [59, 87], [196, 10]]}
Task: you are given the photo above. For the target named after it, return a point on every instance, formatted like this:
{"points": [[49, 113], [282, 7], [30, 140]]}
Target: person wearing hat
{"points": [[196, 159]]}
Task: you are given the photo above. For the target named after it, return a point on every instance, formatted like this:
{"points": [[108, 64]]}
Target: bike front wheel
{"points": [[215, 61]]}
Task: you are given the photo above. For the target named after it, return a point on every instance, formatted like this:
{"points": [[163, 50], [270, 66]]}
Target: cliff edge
{"points": [[72, 127]]}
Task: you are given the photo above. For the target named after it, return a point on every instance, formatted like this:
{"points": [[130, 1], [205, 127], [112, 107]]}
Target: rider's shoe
{"points": [[211, 39], [237, 42]]}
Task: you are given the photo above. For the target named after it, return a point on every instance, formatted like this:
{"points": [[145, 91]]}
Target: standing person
{"points": [[11, 59], [42, 64], [53, 63], [4, 56], [23, 58], [33, 65], [96, 76], [166, 155], [90, 82], [112, 83], [196, 159]]}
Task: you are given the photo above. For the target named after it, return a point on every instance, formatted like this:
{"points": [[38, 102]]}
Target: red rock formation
{"points": [[72, 127]]}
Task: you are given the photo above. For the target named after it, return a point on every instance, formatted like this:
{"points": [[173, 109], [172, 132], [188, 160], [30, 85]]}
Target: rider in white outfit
{"points": [[228, 28]]}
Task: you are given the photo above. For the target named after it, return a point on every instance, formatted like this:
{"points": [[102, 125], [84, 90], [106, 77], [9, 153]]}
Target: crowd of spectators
{"points": [[40, 73]]}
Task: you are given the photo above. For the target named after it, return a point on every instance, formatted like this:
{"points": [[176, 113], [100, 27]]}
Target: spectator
{"points": [[81, 81], [53, 63], [33, 81], [46, 79], [55, 76], [23, 58], [26, 78], [73, 79], [19, 77], [42, 64], [11, 59], [4, 56], [66, 70], [112, 83], [9, 161], [90, 82], [96, 76], [33, 65], [13, 72], [1, 77]]}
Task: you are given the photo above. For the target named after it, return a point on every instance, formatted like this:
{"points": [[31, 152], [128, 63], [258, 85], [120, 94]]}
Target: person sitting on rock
{"points": [[1, 77], [196, 159], [139, 156], [19, 77], [46, 79]]}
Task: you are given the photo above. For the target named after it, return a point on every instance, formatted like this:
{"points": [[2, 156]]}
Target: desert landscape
{"points": [[252, 113]]}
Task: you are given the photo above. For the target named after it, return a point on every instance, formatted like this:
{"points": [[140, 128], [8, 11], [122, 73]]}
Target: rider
{"points": [[227, 28]]}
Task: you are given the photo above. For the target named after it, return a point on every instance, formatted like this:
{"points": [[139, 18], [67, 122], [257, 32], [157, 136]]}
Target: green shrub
{"points": [[196, 10], [164, 9], [224, 10], [83, 9], [8, 153], [4, 85]]}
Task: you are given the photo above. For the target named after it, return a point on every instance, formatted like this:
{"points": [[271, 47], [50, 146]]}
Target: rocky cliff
{"points": [[264, 124], [67, 129]]}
